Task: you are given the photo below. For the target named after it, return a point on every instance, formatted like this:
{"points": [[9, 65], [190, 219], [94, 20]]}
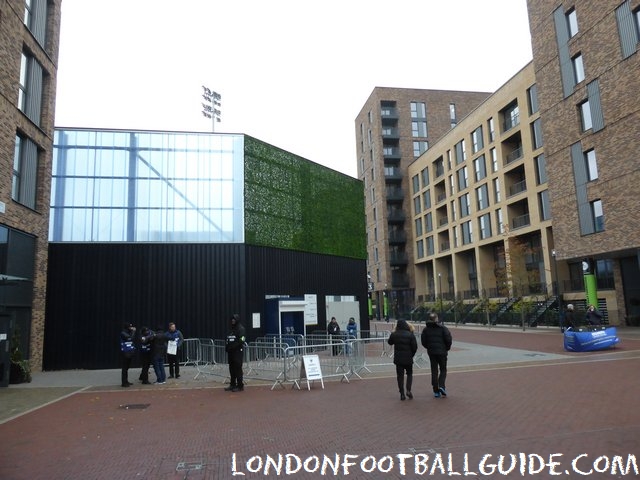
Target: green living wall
{"points": [[295, 204]]}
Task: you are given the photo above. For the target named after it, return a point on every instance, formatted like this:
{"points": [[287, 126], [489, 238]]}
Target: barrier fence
{"points": [[278, 359]]}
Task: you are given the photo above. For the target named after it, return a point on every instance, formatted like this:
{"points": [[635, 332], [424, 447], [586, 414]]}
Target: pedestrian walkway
{"points": [[509, 392]]}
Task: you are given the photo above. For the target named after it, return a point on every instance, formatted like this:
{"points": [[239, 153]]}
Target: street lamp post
{"points": [[556, 289], [211, 108], [441, 297]]}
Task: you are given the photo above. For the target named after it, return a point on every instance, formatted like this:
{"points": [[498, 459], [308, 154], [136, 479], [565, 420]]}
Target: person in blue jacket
{"points": [[352, 333], [174, 335]]}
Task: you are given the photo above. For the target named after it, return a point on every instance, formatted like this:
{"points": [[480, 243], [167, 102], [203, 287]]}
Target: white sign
{"points": [[310, 309], [310, 370]]}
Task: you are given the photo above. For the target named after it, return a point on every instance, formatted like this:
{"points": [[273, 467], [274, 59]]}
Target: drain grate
{"points": [[134, 406], [189, 466]]}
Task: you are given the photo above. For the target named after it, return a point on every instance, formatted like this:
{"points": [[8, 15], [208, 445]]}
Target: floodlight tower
{"points": [[211, 109]]}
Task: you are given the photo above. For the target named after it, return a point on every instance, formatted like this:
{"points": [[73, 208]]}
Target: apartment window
{"points": [[418, 227], [428, 222], [30, 88], [426, 199], [578, 68], [25, 171], [456, 241], [420, 249], [572, 22], [591, 164], [492, 130], [511, 116], [417, 206], [628, 28], [419, 147], [418, 110], [419, 129], [480, 168], [35, 18], [465, 205], [541, 169], [499, 221], [585, 115], [536, 133], [373, 195], [545, 205], [452, 114], [484, 226], [452, 185], [461, 152], [494, 160], [416, 183], [463, 179], [467, 233], [477, 142], [532, 97], [497, 195], [597, 215], [482, 196], [430, 249], [454, 212], [425, 176]]}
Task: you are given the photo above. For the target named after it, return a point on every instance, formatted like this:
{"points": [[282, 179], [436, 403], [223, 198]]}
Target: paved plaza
{"points": [[511, 393]]}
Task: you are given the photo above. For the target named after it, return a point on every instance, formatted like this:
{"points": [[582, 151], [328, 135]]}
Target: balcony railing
{"points": [[514, 155], [398, 258], [510, 122], [397, 236], [521, 221], [517, 188]]}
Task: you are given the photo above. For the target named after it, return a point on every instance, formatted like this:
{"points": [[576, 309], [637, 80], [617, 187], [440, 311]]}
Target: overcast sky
{"points": [[292, 73]]}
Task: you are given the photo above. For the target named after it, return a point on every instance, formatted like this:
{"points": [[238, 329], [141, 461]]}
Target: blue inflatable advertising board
{"points": [[590, 340]]}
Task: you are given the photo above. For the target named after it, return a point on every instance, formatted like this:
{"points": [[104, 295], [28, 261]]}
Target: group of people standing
{"points": [[436, 338], [593, 317], [154, 347]]}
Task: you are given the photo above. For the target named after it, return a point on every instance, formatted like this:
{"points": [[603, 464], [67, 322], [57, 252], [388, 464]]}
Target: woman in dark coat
{"points": [[404, 348]]}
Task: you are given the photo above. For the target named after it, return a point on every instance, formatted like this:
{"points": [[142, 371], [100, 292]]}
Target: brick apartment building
{"points": [[29, 37]]}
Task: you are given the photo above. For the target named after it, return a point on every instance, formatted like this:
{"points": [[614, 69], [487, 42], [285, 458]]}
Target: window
{"points": [[463, 179], [430, 249], [477, 142], [417, 206], [628, 28], [511, 116], [545, 205], [455, 237], [428, 222], [426, 199], [425, 176], [572, 22], [452, 114], [482, 196], [497, 195], [461, 152], [591, 164], [480, 168], [494, 160], [536, 133], [35, 19], [25, 168], [420, 249], [454, 212], [419, 147], [467, 233], [499, 221], [30, 88], [532, 96], [418, 110], [492, 130], [585, 116], [578, 68], [418, 227], [484, 226], [419, 129], [541, 169], [465, 205], [416, 183], [452, 185], [598, 215]]}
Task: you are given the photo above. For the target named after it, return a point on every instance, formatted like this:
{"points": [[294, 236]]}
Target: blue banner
{"points": [[589, 341]]}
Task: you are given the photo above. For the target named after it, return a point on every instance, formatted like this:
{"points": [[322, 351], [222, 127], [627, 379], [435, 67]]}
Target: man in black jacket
{"points": [[436, 338], [235, 352], [128, 350]]}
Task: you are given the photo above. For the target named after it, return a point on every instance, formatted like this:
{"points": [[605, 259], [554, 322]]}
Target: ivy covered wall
{"points": [[293, 203]]}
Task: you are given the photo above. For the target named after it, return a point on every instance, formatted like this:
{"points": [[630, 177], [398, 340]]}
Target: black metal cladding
{"points": [[93, 288]]}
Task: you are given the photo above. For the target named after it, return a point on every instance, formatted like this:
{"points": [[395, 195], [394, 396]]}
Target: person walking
{"points": [[146, 341], [235, 353], [127, 351], [405, 347], [333, 329], [175, 340], [158, 351], [436, 338]]}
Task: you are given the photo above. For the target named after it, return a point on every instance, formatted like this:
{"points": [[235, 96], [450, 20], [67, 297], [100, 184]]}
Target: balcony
{"points": [[397, 236], [389, 113], [517, 188], [392, 173], [397, 258], [390, 133], [521, 221], [514, 155], [395, 195], [443, 221], [396, 216], [445, 246], [399, 280], [510, 122]]}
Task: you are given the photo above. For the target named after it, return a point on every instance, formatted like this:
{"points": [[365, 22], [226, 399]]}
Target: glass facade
{"points": [[143, 186]]}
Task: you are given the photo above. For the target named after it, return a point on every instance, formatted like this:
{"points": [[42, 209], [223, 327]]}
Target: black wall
{"points": [[93, 288]]}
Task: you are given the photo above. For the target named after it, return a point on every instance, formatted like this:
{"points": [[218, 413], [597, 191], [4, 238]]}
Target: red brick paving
{"points": [[585, 406]]}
